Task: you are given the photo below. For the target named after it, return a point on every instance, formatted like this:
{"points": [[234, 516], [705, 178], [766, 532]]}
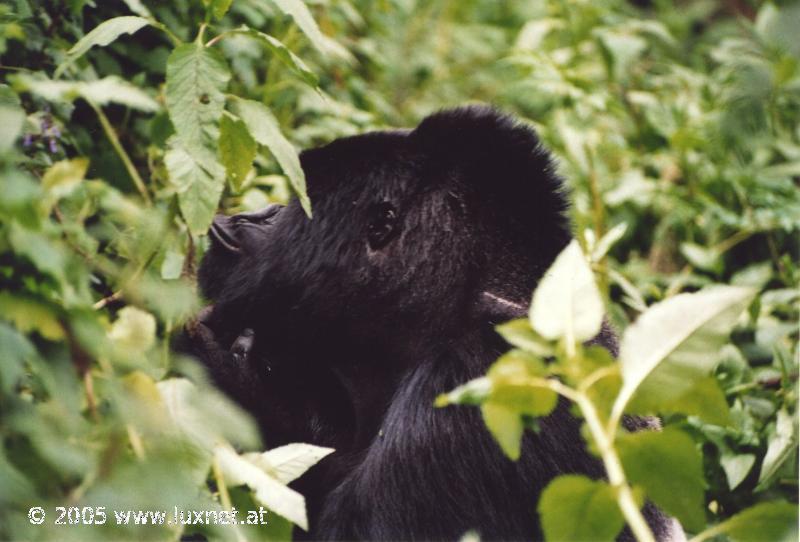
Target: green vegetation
{"points": [[125, 125]]}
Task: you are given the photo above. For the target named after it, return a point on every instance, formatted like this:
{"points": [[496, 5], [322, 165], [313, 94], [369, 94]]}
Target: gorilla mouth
{"points": [[223, 236]]}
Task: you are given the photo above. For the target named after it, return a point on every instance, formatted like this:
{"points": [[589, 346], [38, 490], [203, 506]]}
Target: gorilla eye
{"points": [[382, 225]]}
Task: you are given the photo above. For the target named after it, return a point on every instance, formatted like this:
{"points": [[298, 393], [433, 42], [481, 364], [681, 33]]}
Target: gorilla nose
{"points": [[224, 228], [223, 232]]}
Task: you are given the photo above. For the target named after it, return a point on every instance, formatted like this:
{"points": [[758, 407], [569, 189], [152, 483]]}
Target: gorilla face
{"points": [[410, 231]]}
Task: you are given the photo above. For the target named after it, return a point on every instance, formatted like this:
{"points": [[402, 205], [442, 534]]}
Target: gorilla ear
{"points": [[500, 158], [497, 309]]}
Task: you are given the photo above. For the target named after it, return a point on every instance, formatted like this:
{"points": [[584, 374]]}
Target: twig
{"points": [[126, 160]]}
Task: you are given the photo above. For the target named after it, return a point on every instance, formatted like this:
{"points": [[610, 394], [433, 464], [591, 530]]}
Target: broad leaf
{"points": [[63, 177], [505, 425], [220, 7], [668, 465], [518, 333], [511, 377], [289, 462], [473, 392], [110, 89], [766, 521], [199, 185], [103, 34], [283, 54], [567, 303], [305, 21], [675, 342], [197, 77], [29, 314], [237, 149], [265, 130], [276, 496], [134, 330], [574, 507], [782, 443]]}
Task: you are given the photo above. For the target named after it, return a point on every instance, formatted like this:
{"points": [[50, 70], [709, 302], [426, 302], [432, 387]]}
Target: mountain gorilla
{"points": [[342, 329]]}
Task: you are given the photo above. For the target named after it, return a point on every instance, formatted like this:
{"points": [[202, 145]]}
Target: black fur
{"points": [[351, 344]]}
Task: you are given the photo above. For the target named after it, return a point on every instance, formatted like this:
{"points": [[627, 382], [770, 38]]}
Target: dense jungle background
{"points": [[676, 124]]}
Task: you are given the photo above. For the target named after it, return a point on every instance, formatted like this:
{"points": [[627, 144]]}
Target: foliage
{"points": [[126, 125]]}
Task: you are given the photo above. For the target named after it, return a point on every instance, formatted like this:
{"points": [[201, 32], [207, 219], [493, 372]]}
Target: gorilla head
{"points": [[415, 235], [341, 330]]}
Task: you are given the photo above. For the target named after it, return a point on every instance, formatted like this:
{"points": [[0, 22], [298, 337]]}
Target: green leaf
{"points": [[63, 177], [305, 21], [282, 53], [103, 34], [197, 77], [694, 395], [237, 149], [736, 467], [287, 463], [199, 185], [29, 314], [265, 130], [782, 443], [268, 490], [103, 91], [766, 521], [705, 258], [567, 302], [518, 333], [138, 8], [14, 350], [220, 7], [676, 341], [607, 241], [512, 387], [505, 425], [12, 117], [473, 392], [134, 330], [575, 508], [668, 465]]}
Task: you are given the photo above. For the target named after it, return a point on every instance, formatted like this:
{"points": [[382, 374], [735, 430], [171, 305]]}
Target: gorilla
{"points": [[341, 330]]}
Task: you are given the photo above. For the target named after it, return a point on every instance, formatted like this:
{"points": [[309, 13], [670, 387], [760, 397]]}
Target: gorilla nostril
{"points": [[223, 233]]}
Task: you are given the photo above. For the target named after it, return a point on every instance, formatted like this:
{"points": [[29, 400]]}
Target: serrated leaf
{"points": [[265, 130], [282, 500], [199, 185], [289, 462], [677, 340], [505, 425], [283, 54], [237, 149], [102, 35], [574, 507], [197, 77], [668, 465], [567, 302], [103, 91], [305, 22], [766, 521]]}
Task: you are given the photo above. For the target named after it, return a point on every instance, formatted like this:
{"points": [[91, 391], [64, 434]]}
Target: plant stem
{"points": [[613, 466], [224, 497], [126, 160]]}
